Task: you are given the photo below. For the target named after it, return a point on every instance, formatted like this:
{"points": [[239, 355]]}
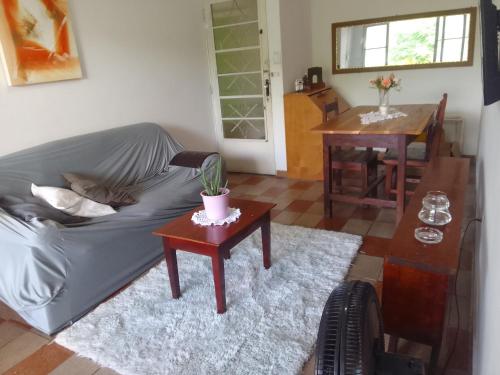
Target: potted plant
{"points": [[215, 194], [384, 85]]}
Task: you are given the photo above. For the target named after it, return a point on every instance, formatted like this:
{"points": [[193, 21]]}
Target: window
{"points": [[437, 39], [452, 38], [412, 40], [376, 45]]}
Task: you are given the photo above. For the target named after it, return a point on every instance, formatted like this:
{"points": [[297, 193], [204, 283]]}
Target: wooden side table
{"points": [[215, 242], [418, 278]]}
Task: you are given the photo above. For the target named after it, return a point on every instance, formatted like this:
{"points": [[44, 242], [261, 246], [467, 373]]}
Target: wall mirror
{"points": [[423, 40]]}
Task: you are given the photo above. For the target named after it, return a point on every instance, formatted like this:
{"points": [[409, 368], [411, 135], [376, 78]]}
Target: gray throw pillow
{"points": [[91, 188]]}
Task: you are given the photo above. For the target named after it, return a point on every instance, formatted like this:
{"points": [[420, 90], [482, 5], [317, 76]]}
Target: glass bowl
{"points": [[428, 235], [435, 209]]}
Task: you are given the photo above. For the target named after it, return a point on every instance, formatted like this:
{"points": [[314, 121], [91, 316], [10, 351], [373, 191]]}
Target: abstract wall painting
{"points": [[37, 42]]}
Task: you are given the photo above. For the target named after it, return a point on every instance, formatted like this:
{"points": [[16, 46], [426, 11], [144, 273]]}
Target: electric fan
{"points": [[351, 336]]}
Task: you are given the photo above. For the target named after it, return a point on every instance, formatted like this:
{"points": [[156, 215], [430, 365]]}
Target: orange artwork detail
{"points": [[37, 41]]}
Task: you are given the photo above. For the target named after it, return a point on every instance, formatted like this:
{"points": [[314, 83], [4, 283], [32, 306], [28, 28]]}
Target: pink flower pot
{"points": [[216, 206]]}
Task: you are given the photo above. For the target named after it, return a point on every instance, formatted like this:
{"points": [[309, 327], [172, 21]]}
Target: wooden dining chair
{"points": [[418, 154], [361, 161]]}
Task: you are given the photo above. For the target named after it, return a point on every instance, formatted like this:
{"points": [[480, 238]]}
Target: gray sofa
{"points": [[52, 274]]}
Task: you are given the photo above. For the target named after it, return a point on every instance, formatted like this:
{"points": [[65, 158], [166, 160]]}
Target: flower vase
{"points": [[383, 101], [216, 206]]}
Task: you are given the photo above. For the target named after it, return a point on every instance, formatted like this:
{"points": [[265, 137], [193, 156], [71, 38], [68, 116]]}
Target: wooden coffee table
{"points": [[215, 242]]}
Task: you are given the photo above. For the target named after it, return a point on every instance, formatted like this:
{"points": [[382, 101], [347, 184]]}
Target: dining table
{"points": [[346, 130]]}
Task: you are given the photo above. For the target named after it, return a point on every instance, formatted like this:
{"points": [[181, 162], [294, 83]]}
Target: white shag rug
{"points": [[271, 322]]}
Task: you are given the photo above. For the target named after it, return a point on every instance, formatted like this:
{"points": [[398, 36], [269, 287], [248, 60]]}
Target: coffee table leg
{"points": [[266, 240], [219, 282], [173, 272]]}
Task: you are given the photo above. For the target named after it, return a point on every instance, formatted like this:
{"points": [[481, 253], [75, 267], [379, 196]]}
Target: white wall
{"points": [[290, 53], [487, 262], [276, 69], [487, 326], [296, 40], [142, 61], [419, 86]]}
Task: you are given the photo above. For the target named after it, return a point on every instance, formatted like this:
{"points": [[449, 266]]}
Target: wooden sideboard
{"points": [[304, 148], [418, 277]]}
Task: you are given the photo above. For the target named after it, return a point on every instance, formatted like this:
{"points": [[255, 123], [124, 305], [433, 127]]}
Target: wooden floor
{"points": [[25, 351]]}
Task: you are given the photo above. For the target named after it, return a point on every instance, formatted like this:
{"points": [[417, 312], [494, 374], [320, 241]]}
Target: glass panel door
{"points": [[237, 43], [240, 77]]}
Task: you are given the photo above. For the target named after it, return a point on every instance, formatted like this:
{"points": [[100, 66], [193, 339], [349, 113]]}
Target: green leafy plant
{"points": [[413, 48], [213, 183]]}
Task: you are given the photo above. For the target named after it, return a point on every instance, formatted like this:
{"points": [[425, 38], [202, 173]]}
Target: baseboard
{"points": [[281, 174]]}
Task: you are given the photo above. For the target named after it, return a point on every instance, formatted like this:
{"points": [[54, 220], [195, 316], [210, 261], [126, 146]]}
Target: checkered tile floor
{"points": [[25, 351]]}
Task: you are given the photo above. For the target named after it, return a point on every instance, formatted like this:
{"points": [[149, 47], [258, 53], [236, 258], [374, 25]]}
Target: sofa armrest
{"points": [[190, 159]]}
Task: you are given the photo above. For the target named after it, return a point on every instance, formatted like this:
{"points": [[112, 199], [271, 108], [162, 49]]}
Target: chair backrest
{"points": [[329, 108], [435, 131], [441, 111]]}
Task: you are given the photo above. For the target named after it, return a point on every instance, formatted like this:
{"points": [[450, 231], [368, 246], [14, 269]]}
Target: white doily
{"points": [[201, 218], [370, 117]]}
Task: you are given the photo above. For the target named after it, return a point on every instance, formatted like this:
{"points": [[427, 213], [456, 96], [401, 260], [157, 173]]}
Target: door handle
{"points": [[267, 85]]}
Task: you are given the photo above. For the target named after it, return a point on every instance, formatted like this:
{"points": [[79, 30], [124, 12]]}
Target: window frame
{"points": [[442, 38], [385, 47], [472, 11]]}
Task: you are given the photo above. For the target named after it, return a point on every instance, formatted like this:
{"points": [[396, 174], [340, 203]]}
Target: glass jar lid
{"points": [[428, 235]]}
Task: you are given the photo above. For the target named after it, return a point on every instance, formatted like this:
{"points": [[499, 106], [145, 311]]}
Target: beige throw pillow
{"points": [[70, 202]]}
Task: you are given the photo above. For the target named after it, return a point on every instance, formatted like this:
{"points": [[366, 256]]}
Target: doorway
{"points": [[240, 83]]}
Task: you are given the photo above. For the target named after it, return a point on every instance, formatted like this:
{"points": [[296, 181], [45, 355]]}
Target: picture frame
{"points": [[37, 42]]}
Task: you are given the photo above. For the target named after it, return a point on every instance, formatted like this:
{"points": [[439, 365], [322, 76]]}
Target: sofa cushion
{"points": [[92, 189]]}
